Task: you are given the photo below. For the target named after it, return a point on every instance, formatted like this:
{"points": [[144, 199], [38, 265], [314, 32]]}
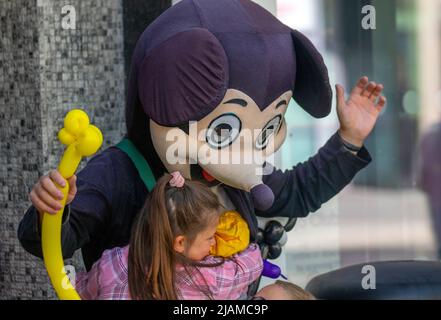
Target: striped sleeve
{"points": [[108, 278], [231, 279], [87, 283]]}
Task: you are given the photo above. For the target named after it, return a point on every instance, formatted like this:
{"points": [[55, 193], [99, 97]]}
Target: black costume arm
{"points": [[308, 185]]}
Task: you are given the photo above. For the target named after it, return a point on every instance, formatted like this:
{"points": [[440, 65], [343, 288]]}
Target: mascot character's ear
{"points": [[311, 90], [184, 78]]}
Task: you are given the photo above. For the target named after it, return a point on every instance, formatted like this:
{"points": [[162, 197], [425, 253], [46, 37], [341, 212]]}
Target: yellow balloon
{"points": [[82, 140], [76, 121]]}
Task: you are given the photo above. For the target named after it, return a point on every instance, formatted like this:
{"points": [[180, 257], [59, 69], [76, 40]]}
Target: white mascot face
{"points": [[230, 145]]}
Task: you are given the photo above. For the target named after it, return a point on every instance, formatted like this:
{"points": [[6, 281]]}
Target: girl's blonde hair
{"points": [[167, 213]]}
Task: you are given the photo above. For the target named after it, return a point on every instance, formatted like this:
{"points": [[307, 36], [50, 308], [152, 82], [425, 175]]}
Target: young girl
{"points": [[168, 256]]}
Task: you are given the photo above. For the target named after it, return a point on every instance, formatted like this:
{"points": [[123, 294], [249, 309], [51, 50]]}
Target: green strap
{"points": [[139, 161]]}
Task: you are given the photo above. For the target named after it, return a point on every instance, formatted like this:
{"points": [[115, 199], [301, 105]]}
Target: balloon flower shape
{"points": [[82, 140]]}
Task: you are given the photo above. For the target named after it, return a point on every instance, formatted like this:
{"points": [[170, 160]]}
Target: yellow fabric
{"points": [[232, 235]]}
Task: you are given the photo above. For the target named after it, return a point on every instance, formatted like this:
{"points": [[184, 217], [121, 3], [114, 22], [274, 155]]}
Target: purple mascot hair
{"points": [[186, 60]]}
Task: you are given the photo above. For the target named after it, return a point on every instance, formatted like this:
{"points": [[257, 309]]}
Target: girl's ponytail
{"points": [[151, 255]]}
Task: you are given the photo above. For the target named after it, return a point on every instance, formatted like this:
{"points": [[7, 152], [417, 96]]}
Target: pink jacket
{"points": [[108, 278]]}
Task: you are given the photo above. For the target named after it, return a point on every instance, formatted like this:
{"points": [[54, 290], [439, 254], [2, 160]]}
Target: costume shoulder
{"points": [[108, 170]]}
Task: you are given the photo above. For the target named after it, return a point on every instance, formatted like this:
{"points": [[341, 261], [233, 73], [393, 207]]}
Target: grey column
{"points": [[45, 71]]}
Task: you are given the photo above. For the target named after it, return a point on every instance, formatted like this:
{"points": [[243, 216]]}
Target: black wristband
{"points": [[349, 145]]}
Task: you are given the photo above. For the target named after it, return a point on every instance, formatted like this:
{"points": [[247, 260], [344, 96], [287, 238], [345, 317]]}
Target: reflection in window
{"points": [[392, 208]]}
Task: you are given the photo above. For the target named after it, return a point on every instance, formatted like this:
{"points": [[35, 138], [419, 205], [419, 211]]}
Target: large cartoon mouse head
{"points": [[215, 77]]}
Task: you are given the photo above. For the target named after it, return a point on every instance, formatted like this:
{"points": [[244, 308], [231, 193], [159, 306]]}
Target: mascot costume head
{"points": [[228, 67]]}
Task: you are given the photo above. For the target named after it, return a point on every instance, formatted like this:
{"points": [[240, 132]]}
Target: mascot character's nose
{"points": [[263, 197]]}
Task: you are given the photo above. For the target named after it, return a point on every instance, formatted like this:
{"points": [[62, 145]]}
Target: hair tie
{"points": [[177, 180]]}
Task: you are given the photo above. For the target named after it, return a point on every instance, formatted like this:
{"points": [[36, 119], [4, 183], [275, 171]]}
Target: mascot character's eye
{"points": [[223, 130], [267, 131]]}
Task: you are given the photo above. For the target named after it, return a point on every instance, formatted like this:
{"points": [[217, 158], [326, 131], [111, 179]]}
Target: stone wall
{"points": [[45, 71], [21, 146]]}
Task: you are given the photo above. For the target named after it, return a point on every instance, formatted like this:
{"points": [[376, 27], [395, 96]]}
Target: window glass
{"points": [[392, 210]]}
